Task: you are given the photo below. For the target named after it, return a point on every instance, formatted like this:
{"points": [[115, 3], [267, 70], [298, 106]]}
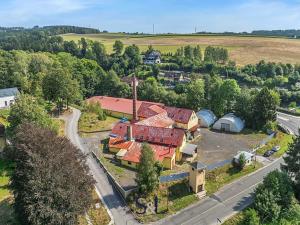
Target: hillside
{"points": [[243, 49]]}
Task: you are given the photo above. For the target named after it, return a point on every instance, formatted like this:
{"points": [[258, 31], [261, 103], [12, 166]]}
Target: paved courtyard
{"points": [[215, 146]]}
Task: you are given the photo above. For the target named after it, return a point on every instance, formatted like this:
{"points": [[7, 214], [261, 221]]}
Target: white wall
{"points": [[7, 100]]}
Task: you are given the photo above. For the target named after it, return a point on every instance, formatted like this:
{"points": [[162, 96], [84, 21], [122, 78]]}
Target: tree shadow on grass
{"points": [[178, 190]]}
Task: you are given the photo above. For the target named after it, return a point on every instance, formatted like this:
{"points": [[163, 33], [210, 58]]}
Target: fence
{"points": [[173, 177]]}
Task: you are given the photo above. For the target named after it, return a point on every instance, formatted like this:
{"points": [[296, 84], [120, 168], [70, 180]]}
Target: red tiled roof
{"points": [[119, 143], [160, 152], [178, 114], [159, 120], [121, 105], [157, 135]]}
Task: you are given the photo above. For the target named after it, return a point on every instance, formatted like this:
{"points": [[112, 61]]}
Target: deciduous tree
{"points": [[292, 164], [51, 182], [147, 177]]}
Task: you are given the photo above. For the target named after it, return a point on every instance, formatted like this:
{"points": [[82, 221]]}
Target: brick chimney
{"points": [[129, 133], [134, 96]]}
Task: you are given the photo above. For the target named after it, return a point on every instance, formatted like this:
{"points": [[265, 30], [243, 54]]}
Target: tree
{"points": [[251, 218], [230, 90], [242, 161], [244, 106], [58, 86], [188, 52], [147, 177], [197, 53], [292, 164], [195, 94], [132, 55], [264, 107], [118, 47], [273, 197], [28, 110], [51, 182]]}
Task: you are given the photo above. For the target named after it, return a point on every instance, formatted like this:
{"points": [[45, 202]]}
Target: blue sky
{"points": [[178, 16]]}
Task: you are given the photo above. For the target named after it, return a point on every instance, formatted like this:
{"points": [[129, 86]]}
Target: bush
{"points": [[251, 218], [95, 108], [270, 126]]}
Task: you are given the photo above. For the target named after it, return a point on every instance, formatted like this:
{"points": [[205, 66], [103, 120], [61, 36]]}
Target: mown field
{"points": [[243, 49]]}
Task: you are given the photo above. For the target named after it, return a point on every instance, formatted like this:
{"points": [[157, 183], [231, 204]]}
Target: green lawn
{"points": [[7, 216], [89, 123], [281, 139], [219, 177]]}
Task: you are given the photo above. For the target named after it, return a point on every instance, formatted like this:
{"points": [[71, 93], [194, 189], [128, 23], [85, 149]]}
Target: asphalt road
{"points": [[229, 200], [292, 122], [114, 202]]}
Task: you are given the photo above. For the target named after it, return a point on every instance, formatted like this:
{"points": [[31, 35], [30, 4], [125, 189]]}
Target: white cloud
{"points": [[21, 11]]}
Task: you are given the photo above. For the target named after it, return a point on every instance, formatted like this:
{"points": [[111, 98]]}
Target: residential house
{"points": [[153, 57]]}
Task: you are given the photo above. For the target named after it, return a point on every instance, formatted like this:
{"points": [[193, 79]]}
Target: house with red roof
{"points": [[123, 108]]}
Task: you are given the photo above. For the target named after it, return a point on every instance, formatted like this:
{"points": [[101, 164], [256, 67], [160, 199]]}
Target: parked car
{"points": [[268, 153], [275, 148]]}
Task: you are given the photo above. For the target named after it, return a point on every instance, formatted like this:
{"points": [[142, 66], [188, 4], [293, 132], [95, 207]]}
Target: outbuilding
{"points": [[206, 118], [248, 157], [8, 97], [230, 123]]}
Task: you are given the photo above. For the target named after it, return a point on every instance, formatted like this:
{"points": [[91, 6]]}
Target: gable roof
{"points": [[120, 143], [179, 115], [7, 92], [155, 135], [159, 120], [122, 105], [160, 152]]}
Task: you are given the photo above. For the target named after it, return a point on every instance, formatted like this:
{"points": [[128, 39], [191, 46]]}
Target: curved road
{"points": [[114, 202], [289, 121], [210, 211]]}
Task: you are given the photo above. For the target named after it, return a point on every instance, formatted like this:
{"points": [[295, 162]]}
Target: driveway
{"points": [[215, 146]]}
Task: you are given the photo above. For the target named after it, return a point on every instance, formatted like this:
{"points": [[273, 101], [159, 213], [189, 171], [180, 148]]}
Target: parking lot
{"points": [[215, 146]]}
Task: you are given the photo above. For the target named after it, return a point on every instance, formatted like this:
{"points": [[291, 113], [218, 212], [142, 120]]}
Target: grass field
{"points": [[89, 122], [243, 49], [282, 139], [219, 177]]}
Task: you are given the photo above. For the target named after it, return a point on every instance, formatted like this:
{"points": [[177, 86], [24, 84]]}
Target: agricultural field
{"points": [[242, 49]]}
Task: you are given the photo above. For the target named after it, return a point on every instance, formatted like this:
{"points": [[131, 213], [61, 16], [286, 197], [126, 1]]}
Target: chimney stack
{"points": [[129, 133], [134, 96]]}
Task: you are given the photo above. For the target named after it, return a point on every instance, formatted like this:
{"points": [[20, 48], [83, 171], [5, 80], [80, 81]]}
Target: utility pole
{"points": [[195, 30], [153, 30]]}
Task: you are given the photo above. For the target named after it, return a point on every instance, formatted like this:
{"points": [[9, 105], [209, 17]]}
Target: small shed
{"points": [[248, 157], [189, 152], [206, 117], [230, 123]]}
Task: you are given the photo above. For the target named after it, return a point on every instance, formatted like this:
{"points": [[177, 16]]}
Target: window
{"points": [[129, 163]]}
